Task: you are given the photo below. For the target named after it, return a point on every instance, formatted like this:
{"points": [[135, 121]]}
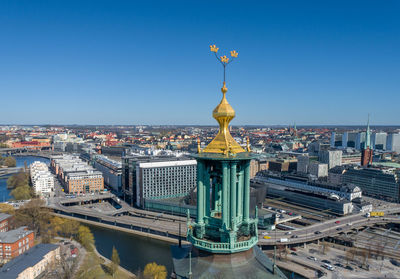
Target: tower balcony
{"points": [[222, 247]]}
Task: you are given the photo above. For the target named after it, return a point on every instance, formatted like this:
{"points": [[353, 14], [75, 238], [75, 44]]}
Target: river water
{"points": [[4, 192], [134, 251]]}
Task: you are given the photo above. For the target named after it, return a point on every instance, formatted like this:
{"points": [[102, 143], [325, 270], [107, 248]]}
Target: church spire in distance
{"points": [[368, 135]]}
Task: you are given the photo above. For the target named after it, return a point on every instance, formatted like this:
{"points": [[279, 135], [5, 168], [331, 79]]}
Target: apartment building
{"points": [[15, 242], [77, 176], [42, 179], [84, 182], [31, 264]]}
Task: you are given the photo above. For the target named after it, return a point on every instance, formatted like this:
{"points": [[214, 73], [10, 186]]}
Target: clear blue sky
{"points": [[148, 62]]}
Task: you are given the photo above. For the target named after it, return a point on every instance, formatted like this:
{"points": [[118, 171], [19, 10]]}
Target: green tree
{"points": [[85, 237], [69, 228], [10, 162], [22, 193], [20, 178], [154, 271], [114, 262]]}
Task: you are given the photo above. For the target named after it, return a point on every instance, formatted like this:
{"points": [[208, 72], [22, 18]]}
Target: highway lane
{"points": [[328, 228]]}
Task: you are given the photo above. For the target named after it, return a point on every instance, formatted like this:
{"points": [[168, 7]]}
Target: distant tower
{"points": [[224, 236], [367, 153], [295, 130]]}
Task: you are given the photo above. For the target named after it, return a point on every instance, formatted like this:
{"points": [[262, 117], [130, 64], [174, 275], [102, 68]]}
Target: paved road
{"points": [[328, 228]]}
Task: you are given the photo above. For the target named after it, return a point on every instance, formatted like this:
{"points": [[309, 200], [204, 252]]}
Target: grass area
{"points": [[93, 267]]}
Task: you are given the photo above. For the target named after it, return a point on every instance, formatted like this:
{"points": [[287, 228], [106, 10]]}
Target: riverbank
{"points": [[107, 262]]}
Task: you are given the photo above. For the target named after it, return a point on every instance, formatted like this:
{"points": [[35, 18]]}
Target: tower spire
{"points": [[368, 135], [223, 143]]}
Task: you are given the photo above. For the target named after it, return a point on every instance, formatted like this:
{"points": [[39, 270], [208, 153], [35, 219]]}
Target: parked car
{"points": [[339, 265], [349, 267], [339, 229], [312, 258], [326, 261], [337, 222], [294, 253], [293, 249], [294, 236]]}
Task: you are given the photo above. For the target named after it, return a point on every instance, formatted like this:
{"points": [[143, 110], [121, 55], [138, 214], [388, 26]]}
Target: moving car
{"points": [[327, 266], [312, 258]]}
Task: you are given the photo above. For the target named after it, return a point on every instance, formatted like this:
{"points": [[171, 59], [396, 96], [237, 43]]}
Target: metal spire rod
{"points": [[224, 60]]}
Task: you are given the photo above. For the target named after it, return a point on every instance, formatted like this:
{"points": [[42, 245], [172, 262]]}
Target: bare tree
{"points": [[350, 255], [325, 248]]}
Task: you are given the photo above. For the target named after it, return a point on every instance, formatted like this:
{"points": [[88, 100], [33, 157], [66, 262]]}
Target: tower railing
{"points": [[223, 247]]}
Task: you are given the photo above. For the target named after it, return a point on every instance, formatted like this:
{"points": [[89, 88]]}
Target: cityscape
{"points": [[153, 178]]}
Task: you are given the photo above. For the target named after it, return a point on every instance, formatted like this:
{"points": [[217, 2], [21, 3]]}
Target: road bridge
{"points": [[325, 229], [8, 171]]}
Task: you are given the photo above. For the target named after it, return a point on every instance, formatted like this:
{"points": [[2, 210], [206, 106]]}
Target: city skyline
{"points": [[130, 63]]}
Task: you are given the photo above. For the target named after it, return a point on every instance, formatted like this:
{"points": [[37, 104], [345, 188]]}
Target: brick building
{"points": [[4, 222], [77, 176], [15, 242]]}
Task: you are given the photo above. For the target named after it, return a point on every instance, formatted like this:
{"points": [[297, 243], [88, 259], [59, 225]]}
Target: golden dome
{"points": [[223, 143]]}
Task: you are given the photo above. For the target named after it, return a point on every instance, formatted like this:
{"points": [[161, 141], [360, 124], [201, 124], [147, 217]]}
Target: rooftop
{"points": [[13, 268], [14, 235], [4, 216]]}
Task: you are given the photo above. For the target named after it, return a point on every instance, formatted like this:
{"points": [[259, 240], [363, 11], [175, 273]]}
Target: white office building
{"points": [[331, 157], [378, 141], [393, 142], [318, 169], [303, 162]]}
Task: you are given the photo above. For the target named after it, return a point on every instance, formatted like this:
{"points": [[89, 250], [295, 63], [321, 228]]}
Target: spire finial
{"points": [[223, 143], [224, 60]]}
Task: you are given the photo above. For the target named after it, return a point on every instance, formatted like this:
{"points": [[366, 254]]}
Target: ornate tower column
{"points": [[223, 225]]}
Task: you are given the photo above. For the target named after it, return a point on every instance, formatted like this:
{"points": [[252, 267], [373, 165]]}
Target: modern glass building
{"points": [[376, 182]]}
